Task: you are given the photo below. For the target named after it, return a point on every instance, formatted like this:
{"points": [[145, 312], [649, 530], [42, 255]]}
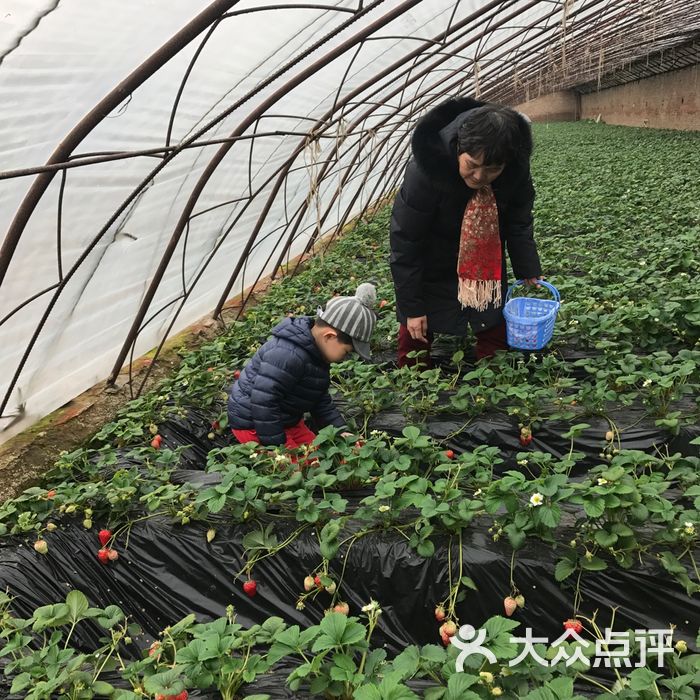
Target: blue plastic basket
{"points": [[530, 321]]}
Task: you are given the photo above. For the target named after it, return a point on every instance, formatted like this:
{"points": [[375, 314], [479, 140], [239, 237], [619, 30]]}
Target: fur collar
{"points": [[434, 144]]}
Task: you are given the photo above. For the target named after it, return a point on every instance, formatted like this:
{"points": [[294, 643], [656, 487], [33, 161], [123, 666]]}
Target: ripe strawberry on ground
{"points": [[156, 442], [250, 588], [237, 374], [383, 303], [509, 605], [104, 536], [103, 555], [449, 454], [574, 625], [439, 613]]}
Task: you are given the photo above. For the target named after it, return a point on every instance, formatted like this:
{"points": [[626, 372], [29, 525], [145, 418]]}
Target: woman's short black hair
{"points": [[494, 131], [342, 336]]}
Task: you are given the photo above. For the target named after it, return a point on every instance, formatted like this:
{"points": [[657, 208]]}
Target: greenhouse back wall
{"points": [[349, 350]]}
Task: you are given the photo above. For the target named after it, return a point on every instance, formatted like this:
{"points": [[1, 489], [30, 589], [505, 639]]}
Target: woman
{"points": [[466, 195]]}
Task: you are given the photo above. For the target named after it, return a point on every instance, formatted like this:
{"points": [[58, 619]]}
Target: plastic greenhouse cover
{"points": [[51, 76]]}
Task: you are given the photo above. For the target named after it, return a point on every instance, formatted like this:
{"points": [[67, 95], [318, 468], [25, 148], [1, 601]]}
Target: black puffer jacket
{"points": [[427, 217], [286, 378]]}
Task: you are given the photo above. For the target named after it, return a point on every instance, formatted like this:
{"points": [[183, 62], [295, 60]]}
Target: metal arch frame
{"points": [[493, 87]]}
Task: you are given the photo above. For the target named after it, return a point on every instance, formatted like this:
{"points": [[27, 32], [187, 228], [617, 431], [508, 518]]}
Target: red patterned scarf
{"points": [[479, 263]]}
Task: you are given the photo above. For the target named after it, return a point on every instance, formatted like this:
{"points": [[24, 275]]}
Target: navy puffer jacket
{"points": [[286, 378]]}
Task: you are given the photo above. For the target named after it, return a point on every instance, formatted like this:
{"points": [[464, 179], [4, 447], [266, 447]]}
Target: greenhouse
{"points": [[350, 349]]}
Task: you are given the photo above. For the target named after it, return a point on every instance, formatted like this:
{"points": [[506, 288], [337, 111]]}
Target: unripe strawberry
{"points": [[211, 436], [439, 613], [50, 526], [211, 534], [449, 628], [332, 588], [445, 639], [51, 493], [509, 605], [112, 554], [309, 583], [87, 523], [496, 691], [342, 608], [520, 601], [681, 646], [41, 547], [154, 648]]}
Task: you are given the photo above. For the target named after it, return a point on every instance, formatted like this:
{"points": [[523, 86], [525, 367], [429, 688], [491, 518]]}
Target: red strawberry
{"points": [[237, 374], [509, 605], [155, 443], [112, 554], [182, 696], [103, 555], [317, 581], [439, 613], [383, 303], [154, 648], [572, 624], [449, 454], [445, 639], [342, 608], [104, 536], [250, 588], [215, 425], [51, 493], [525, 441]]}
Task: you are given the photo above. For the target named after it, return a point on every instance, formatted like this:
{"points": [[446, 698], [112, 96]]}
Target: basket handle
{"points": [[544, 283]]}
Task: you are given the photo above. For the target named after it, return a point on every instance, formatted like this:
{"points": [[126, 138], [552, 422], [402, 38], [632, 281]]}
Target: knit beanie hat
{"points": [[354, 316]]}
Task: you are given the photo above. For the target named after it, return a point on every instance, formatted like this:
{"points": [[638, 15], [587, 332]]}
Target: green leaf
{"points": [[458, 687], [166, 683], [111, 615], [102, 689], [594, 507], [643, 679], [21, 682], [563, 687], [593, 564], [604, 538], [77, 605], [333, 625], [466, 581], [564, 569]]}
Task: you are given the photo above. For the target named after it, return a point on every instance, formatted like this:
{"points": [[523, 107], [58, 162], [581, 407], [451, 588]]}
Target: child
{"points": [[290, 374]]}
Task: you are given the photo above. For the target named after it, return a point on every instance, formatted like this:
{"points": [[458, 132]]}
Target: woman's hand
{"points": [[533, 281], [418, 328]]}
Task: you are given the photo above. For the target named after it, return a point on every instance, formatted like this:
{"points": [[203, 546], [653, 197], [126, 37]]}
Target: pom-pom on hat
{"points": [[354, 316]]}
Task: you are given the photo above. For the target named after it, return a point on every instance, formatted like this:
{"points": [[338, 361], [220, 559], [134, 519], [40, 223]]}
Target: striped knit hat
{"points": [[354, 316]]}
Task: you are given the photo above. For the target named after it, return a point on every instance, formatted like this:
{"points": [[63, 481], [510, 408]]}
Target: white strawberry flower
{"points": [[371, 606], [384, 509], [477, 493], [602, 482], [646, 383], [537, 499]]}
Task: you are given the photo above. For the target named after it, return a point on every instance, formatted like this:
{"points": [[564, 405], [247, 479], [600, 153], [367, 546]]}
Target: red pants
{"points": [[487, 343], [297, 435]]}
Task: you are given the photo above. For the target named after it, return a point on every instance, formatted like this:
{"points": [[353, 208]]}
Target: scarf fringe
{"points": [[478, 294]]}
